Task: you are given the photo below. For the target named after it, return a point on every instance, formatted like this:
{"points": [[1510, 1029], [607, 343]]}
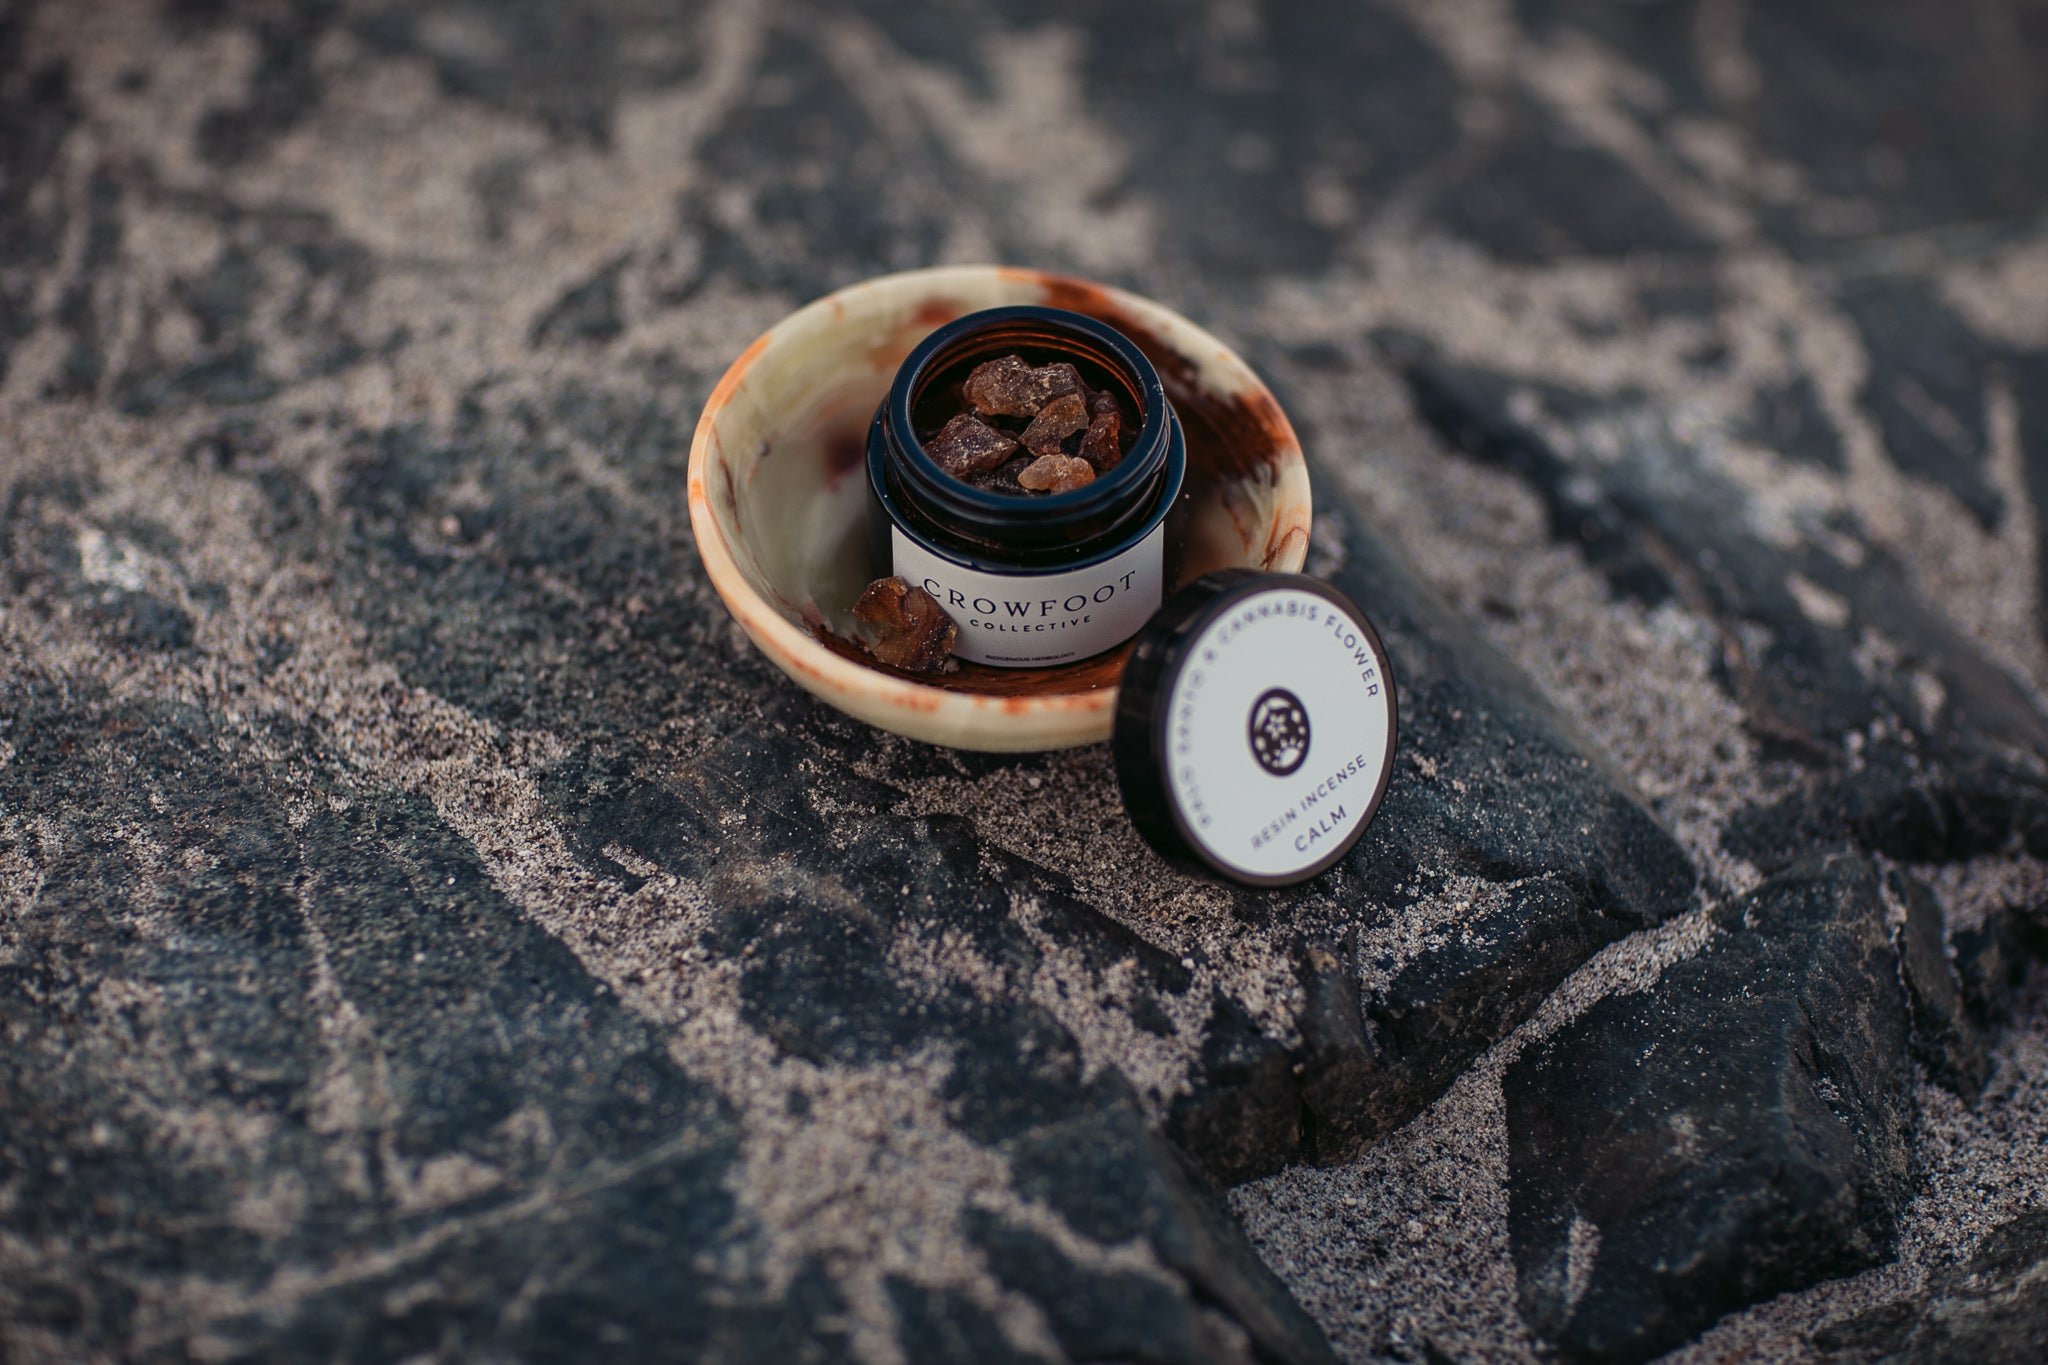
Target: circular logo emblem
{"points": [[1279, 731]]}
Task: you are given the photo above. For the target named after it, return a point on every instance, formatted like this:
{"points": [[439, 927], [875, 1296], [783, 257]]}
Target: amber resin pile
{"points": [[1029, 429]]}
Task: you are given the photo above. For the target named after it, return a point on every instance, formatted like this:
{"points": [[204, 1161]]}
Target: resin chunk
{"points": [[1057, 473], [1020, 415], [1056, 421], [912, 631], [1100, 446], [1004, 478], [1008, 387], [967, 446]]}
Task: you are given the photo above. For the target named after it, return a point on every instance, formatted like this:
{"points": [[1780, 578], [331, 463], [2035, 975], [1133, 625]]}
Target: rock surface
{"points": [[1897, 737], [1917, 746], [810, 931], [1947, 1039], [1740, 1130], [1992, 1307], [427, 929]]}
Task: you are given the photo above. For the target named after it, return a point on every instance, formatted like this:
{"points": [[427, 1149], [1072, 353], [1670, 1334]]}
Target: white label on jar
{"points": [[1278, 731], [1033, 620]]}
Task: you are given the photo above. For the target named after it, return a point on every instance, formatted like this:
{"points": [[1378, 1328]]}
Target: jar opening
{"points": [[1039, 530], [1031, 579], [938, 389]]}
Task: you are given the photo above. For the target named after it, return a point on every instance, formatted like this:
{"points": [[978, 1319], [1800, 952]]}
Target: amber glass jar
{"points": [[1031, 580]]}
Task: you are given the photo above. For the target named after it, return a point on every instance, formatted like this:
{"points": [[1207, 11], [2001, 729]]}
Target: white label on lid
{"points": [[1032, 620], [1278, 731]]}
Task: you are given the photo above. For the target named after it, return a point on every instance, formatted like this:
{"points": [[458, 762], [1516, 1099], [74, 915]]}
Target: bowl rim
{"points": [[943, 716]]}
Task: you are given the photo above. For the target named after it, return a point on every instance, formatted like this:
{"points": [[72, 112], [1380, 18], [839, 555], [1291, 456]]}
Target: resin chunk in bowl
{"points": [[778, 496]]}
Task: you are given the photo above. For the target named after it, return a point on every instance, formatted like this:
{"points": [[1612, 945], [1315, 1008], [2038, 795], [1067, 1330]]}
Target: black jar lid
{"points": [[1254, 731]]}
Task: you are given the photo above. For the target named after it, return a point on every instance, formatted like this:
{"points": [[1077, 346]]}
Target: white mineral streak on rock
{"points": [[2004, 294], [1973, 890], [1066, 988], [1582, 1246], [1823, 608], [1062, 811], [1050, 161]]}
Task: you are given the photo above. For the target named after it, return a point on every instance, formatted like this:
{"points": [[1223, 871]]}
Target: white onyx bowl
{"points": [[779, 492]]}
